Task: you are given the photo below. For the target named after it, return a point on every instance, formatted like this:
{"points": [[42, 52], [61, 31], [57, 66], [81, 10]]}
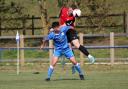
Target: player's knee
{"points": [[72, 59], [77, 45], [77, 64], [51, 66]]}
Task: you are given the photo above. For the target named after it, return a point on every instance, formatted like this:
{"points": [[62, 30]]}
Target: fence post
{"points": [[1, 54], [32, 24], [50, 50], [0, 27], [22, 50], [126, 23], [24, 21], [81, 54], [112, 52]]}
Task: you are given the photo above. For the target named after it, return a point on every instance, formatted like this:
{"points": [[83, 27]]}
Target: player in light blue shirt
{"points": [[61, 47]]}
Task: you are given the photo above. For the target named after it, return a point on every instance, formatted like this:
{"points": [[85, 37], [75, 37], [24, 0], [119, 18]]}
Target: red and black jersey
{"points": [[65, 16]]}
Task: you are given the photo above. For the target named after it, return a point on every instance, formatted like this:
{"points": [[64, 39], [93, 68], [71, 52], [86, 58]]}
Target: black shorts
{"points": [[71, 35]]}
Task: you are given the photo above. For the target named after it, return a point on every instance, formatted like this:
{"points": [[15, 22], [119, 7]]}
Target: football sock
{"points": [[77, 66], [89, 56], [50, 71], [83, 50]]}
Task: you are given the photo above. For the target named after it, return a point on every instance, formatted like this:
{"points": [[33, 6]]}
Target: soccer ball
{"points": [[76, 12]]}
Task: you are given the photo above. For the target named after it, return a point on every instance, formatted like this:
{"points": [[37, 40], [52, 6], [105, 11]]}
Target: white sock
{"points": [[51, 67], [89, 56]]}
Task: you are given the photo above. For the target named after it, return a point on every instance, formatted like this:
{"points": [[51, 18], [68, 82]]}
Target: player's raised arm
{"points": [[43, 43], [45, 40]]}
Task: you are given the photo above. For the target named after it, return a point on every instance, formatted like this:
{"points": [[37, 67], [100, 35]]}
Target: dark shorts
{"points": [[71, 35]]}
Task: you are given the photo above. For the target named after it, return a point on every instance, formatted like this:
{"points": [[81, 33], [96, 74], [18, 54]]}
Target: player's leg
{"points": [[73, 68], [51, 68], [83, 50], [76, 43], [77, 67], [53, 63], [73, 38], [69, 54]]}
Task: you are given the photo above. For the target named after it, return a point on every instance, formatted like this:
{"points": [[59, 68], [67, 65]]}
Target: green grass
{"points": [[35, 54], [12, 54], [97, 77]]}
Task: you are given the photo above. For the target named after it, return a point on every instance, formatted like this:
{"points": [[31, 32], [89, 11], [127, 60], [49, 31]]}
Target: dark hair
{"points": [[55, 24], [73, 6]]}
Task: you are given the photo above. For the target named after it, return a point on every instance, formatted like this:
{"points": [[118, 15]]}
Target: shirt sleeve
{"points": [[50, 36], [67, 28]]}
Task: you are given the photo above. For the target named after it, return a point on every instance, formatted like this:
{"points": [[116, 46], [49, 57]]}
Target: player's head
{"points": [[55, 26], [70, 9], [73, 6]]}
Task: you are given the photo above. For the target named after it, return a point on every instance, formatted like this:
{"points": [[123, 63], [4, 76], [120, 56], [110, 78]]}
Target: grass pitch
{"points": [[97, 77]]}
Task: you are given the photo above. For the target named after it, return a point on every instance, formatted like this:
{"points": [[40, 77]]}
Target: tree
{"points": [[68, 3], [9, 11], [43, 11], [96, 10]]}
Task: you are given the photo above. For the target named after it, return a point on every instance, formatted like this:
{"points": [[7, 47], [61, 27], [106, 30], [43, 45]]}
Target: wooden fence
{"points": [[81, 38], [33, 26]]}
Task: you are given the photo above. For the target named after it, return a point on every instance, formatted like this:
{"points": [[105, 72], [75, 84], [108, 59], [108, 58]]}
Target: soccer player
{"points": [[61, 47], [67, 17]]}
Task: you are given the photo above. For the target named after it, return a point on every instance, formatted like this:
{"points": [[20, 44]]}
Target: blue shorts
{"points": [[66, 52]]}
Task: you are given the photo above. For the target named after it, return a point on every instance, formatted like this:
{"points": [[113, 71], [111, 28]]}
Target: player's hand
{"points": [[51, 30], [42, 46], [43, 43]]}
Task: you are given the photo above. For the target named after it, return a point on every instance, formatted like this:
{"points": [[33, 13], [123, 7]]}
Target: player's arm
{"points": [[43, 43], [46, 39], [50, 30]]}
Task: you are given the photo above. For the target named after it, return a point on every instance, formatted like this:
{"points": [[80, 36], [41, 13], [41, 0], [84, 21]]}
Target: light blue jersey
{"points": [[60, 39], [61, 43], [62, 48]]}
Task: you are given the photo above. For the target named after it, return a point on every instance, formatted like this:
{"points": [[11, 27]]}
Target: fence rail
{"points": [[112, 46], [33, 26], [84, 35], [47, 48]]}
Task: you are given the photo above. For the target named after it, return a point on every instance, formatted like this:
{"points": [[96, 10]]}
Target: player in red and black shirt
{"points": [[67, 17], [66, 14]]}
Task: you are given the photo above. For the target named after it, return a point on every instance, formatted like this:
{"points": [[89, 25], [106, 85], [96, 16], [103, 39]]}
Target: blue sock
{"points": [[77, 66], [50, 71]]}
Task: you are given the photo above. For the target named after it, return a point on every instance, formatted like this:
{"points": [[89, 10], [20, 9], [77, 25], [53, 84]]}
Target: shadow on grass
{"points": [[65, 79]]}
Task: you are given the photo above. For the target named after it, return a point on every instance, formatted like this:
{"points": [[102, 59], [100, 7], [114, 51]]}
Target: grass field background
{"points": [[97, 77], [39, 54]]}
